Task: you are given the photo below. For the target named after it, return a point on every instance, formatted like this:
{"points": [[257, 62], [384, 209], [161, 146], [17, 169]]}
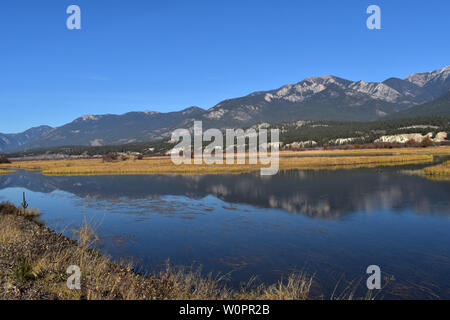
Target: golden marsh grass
{"points": [[315, 159], [3, 171], [438, 171], [164, 165]]}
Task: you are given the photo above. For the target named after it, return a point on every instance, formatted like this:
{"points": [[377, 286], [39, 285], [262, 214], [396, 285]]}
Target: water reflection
{"points": [[329, 223], [317, 194]]}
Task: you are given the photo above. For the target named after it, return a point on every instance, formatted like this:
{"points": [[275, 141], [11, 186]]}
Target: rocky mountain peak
{"points": [[422, 79], [316, 98], [88, 117], [150, 113], [193, 109], [436, 82]]}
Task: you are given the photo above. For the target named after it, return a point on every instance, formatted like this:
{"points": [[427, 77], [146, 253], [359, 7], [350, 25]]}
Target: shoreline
{"points": [[308, 160], [34, 261]]}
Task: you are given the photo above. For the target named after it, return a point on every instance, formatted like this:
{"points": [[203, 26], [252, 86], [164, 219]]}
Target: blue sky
{"points": [[167, 55]]}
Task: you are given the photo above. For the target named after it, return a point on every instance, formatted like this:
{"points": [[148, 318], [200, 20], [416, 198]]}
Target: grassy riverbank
{"points": [[437, 172], [34, 260], [318, 159], [442, 169]]}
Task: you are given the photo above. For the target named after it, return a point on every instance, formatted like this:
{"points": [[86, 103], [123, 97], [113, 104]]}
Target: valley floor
{"points": [[316, 159]]}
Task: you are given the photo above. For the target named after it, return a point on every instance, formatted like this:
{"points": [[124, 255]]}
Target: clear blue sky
{"points": [[167, 55]]}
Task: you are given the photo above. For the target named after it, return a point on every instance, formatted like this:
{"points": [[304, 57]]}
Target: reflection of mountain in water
{"points": [[318, 194]]}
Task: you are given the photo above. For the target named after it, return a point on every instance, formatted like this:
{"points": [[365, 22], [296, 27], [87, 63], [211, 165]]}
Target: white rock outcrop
{"points": [[417, 137], [342, 141], [301, 144], [440, 137]]}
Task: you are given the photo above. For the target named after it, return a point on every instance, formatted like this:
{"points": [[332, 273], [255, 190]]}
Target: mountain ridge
{"points": [[325, 97]]}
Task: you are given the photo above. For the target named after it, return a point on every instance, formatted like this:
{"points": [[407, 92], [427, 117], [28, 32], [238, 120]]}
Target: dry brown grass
{"points": [[439, 171], [34, 260], [10, 234], [296, 286], [441, 150], [38, 259], [3, 171], [336, 159], [32, 212], [11, 209]]}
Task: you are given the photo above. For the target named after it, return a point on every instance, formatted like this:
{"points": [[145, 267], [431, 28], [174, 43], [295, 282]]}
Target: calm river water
{"points": [[333, 224]]}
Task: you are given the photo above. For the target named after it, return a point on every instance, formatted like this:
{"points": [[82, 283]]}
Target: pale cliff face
{"points": [[422, 79], [417, 137]]}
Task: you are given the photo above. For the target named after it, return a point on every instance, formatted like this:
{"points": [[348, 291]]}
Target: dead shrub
{"points": [[427, 142], [110, 157], [8, 208], [4, 160]]}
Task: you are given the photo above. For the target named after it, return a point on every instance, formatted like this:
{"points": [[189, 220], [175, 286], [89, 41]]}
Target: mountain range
{"points": [[317, 98]]}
